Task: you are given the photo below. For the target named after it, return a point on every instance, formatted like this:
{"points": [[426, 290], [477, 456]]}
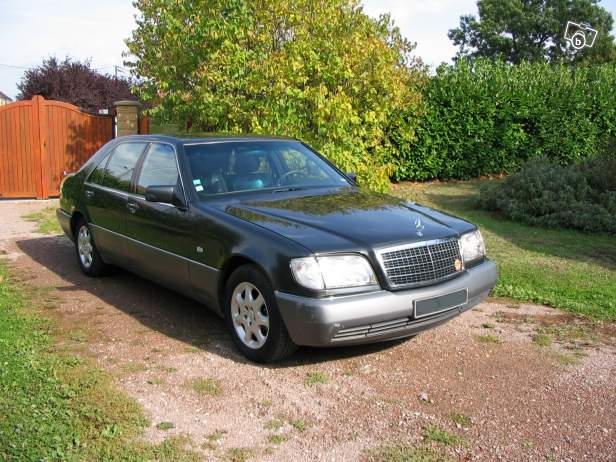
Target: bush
{"points": [[489, 117], [580, 196]]}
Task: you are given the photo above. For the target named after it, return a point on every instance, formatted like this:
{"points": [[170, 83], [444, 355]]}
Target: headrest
{"points": [[247, 163], [209, 164]]}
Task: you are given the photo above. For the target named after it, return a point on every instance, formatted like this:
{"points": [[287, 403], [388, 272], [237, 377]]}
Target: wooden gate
{"points": [[41, 141]]}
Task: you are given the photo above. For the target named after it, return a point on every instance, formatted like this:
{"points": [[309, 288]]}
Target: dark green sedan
{"points": [[274, 238]]}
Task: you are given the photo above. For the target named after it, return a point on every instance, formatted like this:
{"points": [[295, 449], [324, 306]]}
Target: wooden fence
{"points": [[41, 141]]}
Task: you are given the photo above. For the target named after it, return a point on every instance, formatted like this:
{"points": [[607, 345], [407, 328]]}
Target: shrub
{"points": [[490, 117], [580, 196]]}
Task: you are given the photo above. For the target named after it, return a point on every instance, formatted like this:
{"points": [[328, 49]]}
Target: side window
{"points": [[121, 165], [98, 174], [159, 168]]}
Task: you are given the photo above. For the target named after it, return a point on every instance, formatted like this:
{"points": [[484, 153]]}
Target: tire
{"points": [[88, 258], [253, 318]]}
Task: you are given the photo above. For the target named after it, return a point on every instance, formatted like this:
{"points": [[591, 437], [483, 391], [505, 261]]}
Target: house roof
{"points": [[3, 96]]}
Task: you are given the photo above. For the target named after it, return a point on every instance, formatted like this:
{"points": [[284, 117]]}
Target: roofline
{"points": [[208, 139], [197, 142]]}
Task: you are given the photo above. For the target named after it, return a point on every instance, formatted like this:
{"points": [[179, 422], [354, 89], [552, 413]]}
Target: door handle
{"points": [[89, 194], [132, 207]]}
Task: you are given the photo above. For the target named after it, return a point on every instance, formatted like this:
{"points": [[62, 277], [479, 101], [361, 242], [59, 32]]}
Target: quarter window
{"points": [[121, 165], [98, 174], [159, 168]]}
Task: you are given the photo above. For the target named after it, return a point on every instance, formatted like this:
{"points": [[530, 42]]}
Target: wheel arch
{"points": [[233, 263], [76, 215]]}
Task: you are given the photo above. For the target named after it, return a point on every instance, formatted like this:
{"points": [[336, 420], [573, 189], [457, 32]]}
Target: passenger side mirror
{"points": [[166, 195], [352, 176]]}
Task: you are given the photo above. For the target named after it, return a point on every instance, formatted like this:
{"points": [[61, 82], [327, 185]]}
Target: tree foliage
{"points": [[322, 71], [533, 30], [74, 82]]}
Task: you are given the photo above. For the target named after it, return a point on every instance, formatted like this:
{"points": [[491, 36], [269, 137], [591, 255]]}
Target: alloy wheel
{"points": [[84, 247], [250, 316]]}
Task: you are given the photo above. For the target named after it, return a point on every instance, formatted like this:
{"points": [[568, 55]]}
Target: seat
{"points": [[210, 176], [248, 176], [216, 184]]}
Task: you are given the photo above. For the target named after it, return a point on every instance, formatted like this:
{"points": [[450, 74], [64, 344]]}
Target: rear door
{"points": [[106, 196], [159, 233]]}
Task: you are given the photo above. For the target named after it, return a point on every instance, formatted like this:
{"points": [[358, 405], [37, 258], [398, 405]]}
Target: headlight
{"points": [[472, 246], [333, 272]]}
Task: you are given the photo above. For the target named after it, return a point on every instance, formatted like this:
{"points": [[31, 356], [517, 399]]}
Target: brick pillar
{"points": [[127, 117]]}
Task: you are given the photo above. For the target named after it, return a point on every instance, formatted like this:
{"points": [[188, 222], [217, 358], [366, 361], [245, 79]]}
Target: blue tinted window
{"points": [[235, 166], [122, 164], [159, 168]]}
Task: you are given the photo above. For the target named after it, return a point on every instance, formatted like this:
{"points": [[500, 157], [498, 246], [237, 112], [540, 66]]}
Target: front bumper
{"points": [[376, 316]]}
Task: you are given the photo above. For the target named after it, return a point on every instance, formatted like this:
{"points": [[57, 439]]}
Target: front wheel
{"points": [[88, 258], [253, 318]]}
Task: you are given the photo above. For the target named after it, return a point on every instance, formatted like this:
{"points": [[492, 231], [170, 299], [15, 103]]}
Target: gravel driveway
{"points": [[505, 381]]}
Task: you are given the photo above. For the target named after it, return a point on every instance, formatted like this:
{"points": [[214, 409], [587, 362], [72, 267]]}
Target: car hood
{"points": [[348, 219]]}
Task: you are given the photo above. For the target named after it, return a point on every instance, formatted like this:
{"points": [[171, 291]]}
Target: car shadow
{"points": [[164, 310]]}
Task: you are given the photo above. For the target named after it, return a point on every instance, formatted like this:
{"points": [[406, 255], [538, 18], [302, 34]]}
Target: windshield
{"points": [[235, 166]]}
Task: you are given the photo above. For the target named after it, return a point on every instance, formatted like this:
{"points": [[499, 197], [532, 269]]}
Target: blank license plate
{"points": [[434, 305]]}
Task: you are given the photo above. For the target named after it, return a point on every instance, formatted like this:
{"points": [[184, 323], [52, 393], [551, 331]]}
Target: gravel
{"points": [[524, 402]]}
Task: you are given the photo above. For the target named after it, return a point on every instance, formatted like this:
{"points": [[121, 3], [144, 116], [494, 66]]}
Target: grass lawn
{"points": [[46, 220], [560, 268], [58, 406]]}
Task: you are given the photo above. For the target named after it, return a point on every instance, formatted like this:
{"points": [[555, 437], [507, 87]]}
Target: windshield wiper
{"points": [[290, 188]]}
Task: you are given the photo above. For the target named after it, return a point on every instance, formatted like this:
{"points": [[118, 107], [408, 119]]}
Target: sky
{"points": [[31, 30]]}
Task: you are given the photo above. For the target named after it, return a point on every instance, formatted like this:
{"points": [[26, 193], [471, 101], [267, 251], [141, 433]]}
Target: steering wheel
{"points": [[288, 174]]}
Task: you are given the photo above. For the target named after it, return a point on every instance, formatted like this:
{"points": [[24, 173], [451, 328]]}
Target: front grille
{"points": [[420, 264]]}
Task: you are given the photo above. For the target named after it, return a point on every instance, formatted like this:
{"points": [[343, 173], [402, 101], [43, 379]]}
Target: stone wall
{"points": [[127, 117]]}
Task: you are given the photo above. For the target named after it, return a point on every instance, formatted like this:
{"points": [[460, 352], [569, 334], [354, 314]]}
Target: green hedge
{"points": [[485, 118]]}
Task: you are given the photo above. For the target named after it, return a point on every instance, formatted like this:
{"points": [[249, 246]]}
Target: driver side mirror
{"points": [[352, 176], [166, 195]]}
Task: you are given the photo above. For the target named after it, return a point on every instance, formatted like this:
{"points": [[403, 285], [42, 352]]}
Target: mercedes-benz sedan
{"points": [[274, 238]]}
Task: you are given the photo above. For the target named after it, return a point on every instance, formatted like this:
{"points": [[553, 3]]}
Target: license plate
{"points": [[433, 305]]}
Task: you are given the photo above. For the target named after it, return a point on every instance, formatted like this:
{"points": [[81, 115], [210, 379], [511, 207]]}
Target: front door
{"points": [[158, 233], [106, 197]]}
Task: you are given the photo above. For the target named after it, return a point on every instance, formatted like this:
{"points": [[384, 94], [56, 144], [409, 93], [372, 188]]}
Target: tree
{"points": [[74, 82], [533, 30], [321, 71]]}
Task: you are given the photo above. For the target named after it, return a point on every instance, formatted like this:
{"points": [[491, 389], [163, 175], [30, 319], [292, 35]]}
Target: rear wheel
{"points": [[88, 258], [253, 318]]}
